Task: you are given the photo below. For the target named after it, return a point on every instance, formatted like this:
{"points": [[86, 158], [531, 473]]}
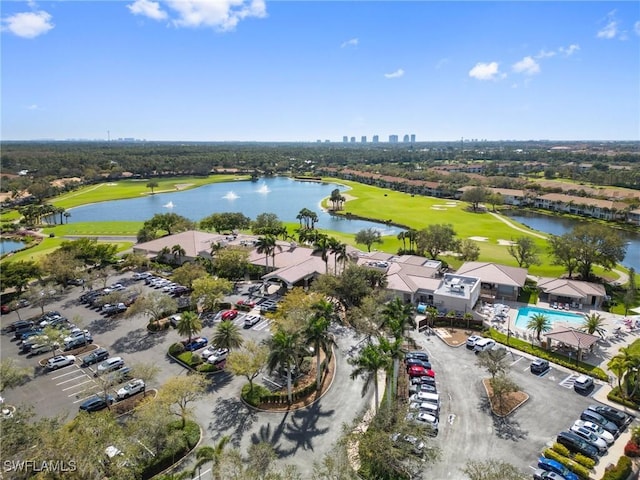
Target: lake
{"points": [[561, 225], [283, 196], [7, 246]]}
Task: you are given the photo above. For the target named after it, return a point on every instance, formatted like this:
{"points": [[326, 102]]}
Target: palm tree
{"points": [[213, 454], [593, 323], [227, 335], [396, 317], [339, 252], [322, 246], [177, 252], [285, 349], [393, 349], [539, 323], [367, 365], [266, 245], [316, 332], [189, 325], [402, 236], [625, 366]]}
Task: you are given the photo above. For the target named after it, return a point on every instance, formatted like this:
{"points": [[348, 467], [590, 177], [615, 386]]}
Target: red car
{"points": [[229, 315], [246, 303], [418, 371]]}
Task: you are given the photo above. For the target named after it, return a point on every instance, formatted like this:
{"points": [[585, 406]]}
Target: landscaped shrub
{"points": [[621, 471], [631, 449], [187, 441], [190, 358], [585, 461], [570, 464], [614, 396], [176, 349], [561, 449], [208, 368], [253, 397]]}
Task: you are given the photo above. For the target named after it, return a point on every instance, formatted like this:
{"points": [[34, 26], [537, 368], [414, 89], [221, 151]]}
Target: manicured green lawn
{"points": [[47, 246], [95, 229], [133, 188]]}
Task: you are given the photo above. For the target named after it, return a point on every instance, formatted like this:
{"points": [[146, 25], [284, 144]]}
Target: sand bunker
{"points": [[435, 207], [180, 186], [479, 239], [505, 242]]}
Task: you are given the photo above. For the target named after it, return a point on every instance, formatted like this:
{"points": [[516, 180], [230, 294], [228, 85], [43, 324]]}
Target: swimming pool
{"points": [[554, 316]]}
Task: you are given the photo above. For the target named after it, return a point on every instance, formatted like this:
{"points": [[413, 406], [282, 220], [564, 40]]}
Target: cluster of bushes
{"points": [[540, 352], [191, 359], [632, 448], [577, 465], [158, 326], [621, 471], [176, 450], [615, 396]]}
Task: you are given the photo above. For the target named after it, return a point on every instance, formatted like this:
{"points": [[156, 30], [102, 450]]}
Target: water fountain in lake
{"points": [[169, 205], [231, 195], [263, 189]]}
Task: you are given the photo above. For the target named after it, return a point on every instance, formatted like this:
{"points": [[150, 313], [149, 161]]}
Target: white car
{"points": [[131, 388], [207, 352], [77, 333], [591, 437], [60, 361], [218, 356], [595, 428], [251, 320], [471, 341], [110, 364]]}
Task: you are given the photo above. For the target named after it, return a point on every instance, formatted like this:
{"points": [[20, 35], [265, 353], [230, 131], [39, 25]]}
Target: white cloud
{"points": [[147, 8], [526, 66], [397, 74], [570, 50], [32, 107], [485, 71], [219, 14], [546, 54], [28, 24], [353, 42], [610, 30], [636, 27]]}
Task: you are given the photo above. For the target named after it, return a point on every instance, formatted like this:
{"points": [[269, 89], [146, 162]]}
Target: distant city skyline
{"points": [[255, 71]]}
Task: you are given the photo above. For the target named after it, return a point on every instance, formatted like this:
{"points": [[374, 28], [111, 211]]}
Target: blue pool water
{"points": [[554, 316]]}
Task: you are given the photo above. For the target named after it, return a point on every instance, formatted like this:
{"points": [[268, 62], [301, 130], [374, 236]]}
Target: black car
{"points": [[97, 403], [77, 343], [27, 331], [577, 444], [621, 419], [417, 354], [416, 361], [19, 324], [94, 357], [539, 366]]}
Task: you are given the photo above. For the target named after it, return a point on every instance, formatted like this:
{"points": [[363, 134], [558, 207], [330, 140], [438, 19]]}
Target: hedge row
{"points": [[579, 470], [282, 397], [615, 396], [621, 471], [188, 440], [547, 355]]}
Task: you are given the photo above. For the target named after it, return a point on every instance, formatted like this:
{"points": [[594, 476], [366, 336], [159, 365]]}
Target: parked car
{"points": [[119, 376], [471, 341], [77, 333], [583, 384], [131, 388], [195, 344], [483, 344], [418, 371], [251, 320], [597, 429], [38, 348], [591, 438], [18, 324], [246, 303], [422, 387], [424, 379], [425, 419], [420, 355], [416, 361], [94, 357], [229, 315], [174, 319], [77, 343], [21, 330], [60, 361], [218, 356], [577, 444], [540, 474], [539, 366], [595, 417], [554, 466], [140, 275], [417, 445], [621, 419], [109, 365], [97, 403], [268, 306]]}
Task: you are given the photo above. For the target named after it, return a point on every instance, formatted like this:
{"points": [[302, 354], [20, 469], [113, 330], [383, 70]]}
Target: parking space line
{"points": [[91, 391], [64, 374], [71, 379], [569, 381], [516, 361], [77, 385], [83, 399]]}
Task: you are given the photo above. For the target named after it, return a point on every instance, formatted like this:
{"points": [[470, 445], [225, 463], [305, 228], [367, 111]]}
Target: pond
{"points": [[283, 196], [7, 246], [561, 225]]}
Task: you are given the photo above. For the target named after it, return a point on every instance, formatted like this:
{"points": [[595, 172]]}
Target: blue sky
{"points": [[235, 70]]}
